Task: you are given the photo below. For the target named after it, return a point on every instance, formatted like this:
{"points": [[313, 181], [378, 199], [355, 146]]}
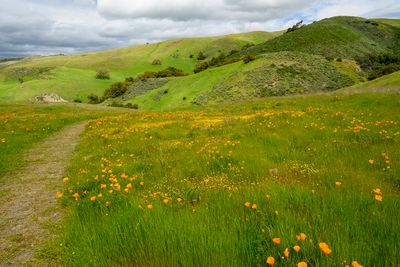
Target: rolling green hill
{"points": [[273, 74], [315, 58], [72, 76], [338, 37]]}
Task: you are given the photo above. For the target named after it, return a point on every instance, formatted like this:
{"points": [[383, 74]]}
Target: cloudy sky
{"points": [[43, 27]]}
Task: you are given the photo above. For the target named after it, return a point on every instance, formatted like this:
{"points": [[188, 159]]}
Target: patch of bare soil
{"points": [[28, 203]]}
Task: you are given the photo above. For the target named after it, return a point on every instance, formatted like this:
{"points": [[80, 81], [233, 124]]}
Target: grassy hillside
{"points": [[387, 83], [338, 37], [72, 76], [287, 63], [273, 74], [393, 22]]}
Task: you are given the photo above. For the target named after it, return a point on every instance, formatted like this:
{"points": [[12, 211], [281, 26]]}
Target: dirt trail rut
{"points": [[28, 202]]}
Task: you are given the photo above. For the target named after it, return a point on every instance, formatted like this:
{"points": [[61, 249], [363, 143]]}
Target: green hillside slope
{"points": [[387, 83], [72, 76], [274, 74], [338, 37], [393, 22], [315, 58]]}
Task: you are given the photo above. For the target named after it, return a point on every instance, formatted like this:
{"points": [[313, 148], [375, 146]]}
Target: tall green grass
{"points": [[284, 155], [22, 125]]}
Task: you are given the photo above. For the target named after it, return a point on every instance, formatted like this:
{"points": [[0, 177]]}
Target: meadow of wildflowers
{"points": [[307, 181]]}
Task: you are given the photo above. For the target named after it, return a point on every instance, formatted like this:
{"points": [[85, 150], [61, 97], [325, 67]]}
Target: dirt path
{"points": [[28, 206]]}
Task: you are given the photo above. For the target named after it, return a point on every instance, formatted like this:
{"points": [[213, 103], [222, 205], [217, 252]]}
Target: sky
{"points": [[46, 27]]}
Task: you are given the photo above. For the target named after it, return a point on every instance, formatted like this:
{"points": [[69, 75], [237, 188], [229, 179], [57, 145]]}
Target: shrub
{"points": [[329, 58], [184, 98], [147, 75], [248, 58], [168, 72], [93, 99], [116, 89], [202, 66], [156, 62], [120, 105], [247, 46], [103, 75], [201, 56]]}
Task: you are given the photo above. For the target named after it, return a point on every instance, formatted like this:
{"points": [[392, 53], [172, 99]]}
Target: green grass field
{"points": [[23, 125], [214, 186]]}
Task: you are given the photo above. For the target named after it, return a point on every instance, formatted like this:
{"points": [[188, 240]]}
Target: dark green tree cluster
{"points": [[168, 72], [213, 62], [116, 89], [377, 65]]}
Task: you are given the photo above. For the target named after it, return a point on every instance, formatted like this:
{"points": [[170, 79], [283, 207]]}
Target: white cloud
{"points": [[184, 10], [70, 26], [371, 9]]}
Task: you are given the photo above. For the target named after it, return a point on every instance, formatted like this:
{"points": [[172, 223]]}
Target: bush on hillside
{"points": [[201, 66], [168, 72], [120, 105], [247, 46], [213, 62], [116, 89], [201, 56], [248, 58], [156, 62], [129, 79], [103, 75], [329, 58], [383, 70], [93, 99]]}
